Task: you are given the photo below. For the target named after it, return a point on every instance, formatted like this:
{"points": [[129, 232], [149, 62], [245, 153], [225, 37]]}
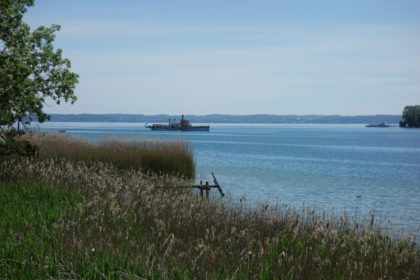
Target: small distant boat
{"points": [[183, 125], [61, 131], [378, 125]]}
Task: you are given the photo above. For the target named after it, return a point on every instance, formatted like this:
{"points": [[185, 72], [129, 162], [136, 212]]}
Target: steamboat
{"points": [[183, 125]]}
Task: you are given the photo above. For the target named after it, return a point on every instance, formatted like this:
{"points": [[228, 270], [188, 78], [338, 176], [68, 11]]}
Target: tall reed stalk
{"points": [[121, 225], [160, 156]]}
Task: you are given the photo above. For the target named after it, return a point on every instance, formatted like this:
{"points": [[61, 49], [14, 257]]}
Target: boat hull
{"points": [[192, 128], [196, 128]]}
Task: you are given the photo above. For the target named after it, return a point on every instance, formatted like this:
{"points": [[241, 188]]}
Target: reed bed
{"points": [[145, 154], [106, 223]]}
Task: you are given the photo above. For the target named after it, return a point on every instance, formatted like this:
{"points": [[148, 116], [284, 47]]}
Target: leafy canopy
{"points": [[411, 116], [31, 69]]}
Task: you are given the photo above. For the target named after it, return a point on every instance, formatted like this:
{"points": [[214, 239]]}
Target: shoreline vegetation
{"points": [[149, 155], [71, 209], [81, 210]]}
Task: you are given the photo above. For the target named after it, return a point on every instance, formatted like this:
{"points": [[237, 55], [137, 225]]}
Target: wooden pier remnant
{"points": [[207, 187]]}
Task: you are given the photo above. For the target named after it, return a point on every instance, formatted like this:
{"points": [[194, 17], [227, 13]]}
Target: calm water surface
{"points": [[334, 168]]}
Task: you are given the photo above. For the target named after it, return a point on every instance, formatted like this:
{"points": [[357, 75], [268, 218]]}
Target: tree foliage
{"points": [[12, 144], [31, 69], [411, 116]]}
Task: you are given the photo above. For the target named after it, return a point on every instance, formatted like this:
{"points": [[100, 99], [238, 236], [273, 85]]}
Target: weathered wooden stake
{"points": [[206, 187], [201, 190], [207, 190]]}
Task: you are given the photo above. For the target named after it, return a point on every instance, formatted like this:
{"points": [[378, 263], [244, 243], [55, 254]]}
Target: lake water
{"points": [[334, 168]]}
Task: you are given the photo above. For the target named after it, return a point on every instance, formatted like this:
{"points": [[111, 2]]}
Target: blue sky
{"points": [[348, 57]]}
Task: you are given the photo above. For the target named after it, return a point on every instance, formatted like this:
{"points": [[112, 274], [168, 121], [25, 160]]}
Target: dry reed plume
{"points": [[148, 155], [127, 228]]}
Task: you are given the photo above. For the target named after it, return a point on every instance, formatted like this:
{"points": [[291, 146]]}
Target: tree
{"points": [[31, 70], [411, 116]]}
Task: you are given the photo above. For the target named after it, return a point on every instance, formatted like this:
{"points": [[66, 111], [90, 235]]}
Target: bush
{"points": [[11, 144]]}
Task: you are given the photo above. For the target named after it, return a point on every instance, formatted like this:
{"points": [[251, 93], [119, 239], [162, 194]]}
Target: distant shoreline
{"points": [[221, 118]]}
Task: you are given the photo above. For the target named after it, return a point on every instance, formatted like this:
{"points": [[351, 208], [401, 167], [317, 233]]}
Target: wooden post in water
{"points": [[207, 190], [206, 187]]}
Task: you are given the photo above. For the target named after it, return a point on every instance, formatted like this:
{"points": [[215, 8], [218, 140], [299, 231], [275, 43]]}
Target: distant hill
{"points": [[221, 118]]}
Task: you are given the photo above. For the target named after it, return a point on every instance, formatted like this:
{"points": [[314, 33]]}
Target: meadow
{"points": [[84, 211]]}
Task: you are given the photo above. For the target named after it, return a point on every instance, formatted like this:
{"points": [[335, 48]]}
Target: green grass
{"points": [[61, 219], [28, 236], [35, 245]]}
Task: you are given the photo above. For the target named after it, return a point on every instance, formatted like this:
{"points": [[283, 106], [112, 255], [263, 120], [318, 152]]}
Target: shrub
{"points": [[11, 144]]}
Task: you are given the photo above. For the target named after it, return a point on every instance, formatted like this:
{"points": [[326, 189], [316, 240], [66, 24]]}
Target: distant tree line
{"points": [[411, 116], [223, 118]]}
